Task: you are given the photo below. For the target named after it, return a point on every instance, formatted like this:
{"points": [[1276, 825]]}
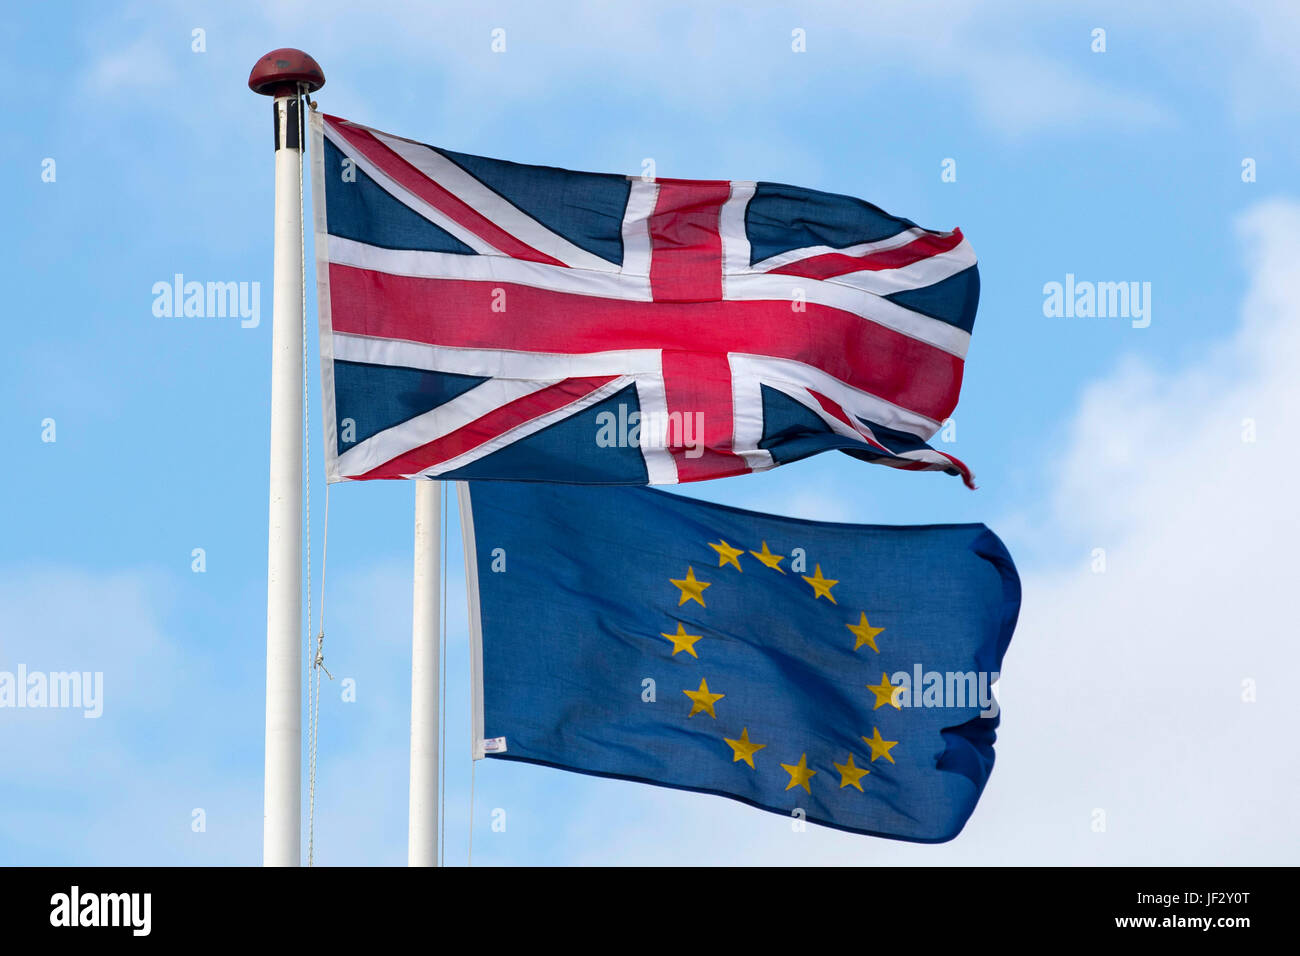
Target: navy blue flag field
{"points": [[842, 672], [489, 319]]}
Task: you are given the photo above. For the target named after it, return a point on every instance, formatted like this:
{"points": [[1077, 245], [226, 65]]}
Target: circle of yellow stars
{"points": [[703, 700]]}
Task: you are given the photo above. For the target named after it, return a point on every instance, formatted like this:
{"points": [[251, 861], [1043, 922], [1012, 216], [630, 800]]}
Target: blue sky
{"points": [[1123, 691]]}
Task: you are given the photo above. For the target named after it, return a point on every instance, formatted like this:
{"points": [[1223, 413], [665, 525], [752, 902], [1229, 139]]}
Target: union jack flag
{"points": [[487, 319]]}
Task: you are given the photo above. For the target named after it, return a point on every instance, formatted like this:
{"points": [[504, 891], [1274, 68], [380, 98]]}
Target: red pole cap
{"points": [[280, 72]]}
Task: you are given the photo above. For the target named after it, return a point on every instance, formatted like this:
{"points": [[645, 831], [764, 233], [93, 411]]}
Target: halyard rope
{"points": [[442, 683], [315, 657]]}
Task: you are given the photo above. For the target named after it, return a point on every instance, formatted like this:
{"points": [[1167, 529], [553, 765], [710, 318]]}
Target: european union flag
{"points": [[837, 672]]}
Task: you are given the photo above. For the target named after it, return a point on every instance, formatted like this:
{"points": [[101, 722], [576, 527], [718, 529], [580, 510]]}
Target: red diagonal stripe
{"points": [[435, 195], [494, 423], [835, 409], [967, 478], [838, 264]]}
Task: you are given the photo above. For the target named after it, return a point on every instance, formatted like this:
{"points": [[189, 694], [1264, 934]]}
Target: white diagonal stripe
{"points": [[918, 275], [491, 205], [860, 249], [788, 374], [770, 287], [405, 196], [933, 460], [529, 427], [434, 424]]}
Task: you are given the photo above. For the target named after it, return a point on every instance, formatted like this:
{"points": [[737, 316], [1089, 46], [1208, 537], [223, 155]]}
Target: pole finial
{"points": [[281, 73]]}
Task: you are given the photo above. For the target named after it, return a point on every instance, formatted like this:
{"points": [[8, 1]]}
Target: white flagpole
{"points": [[422, 833], [284, 75]]}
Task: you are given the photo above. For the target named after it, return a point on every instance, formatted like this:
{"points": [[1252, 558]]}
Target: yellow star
{"points": [[692, 590], [770, 559], [886, 693], [744, 748], [821, 586], [799, 773], [865, 633], [851, 775], [683, 641], [727, 554], [879, 746], [702, 701]]}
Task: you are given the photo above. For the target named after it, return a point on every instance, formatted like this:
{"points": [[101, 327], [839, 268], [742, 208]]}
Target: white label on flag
{"points": [[494, 745]]}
